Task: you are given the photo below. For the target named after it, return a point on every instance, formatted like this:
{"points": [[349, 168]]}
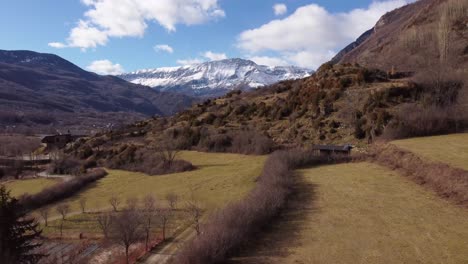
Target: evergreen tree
{"points": [[19, 235]]}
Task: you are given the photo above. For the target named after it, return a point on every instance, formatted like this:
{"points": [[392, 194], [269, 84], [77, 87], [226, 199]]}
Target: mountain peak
{"points": [[214, 78]]}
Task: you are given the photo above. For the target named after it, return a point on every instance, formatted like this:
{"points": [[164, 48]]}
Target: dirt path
{"points": [[362, 213], [162, 255]]}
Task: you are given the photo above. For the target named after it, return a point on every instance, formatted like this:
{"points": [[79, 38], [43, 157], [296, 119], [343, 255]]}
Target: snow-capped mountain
{"points": [[215, 77]]}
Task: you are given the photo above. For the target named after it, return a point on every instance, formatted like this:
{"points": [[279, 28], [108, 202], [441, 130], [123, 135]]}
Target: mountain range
{"points": [[214, 78], [45, 89], [386, 84]]}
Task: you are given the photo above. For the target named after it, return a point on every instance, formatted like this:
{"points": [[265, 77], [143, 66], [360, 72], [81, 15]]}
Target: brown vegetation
{"points": [[226, 230], [439, 110], [61, 190], [127, 229], [63, 210], [448, 182], [133, 157]]}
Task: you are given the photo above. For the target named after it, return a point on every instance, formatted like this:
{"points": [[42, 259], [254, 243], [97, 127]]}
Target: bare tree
{"points": [[149, 203], [83, 205], [132, 203], [172, 200], [127, 229], [194, 211], [104, 221], [114, 202], [443, 33], [63, 210], [149, 210], [164, 215], [167, 149], [61, 228], [44, 212]]}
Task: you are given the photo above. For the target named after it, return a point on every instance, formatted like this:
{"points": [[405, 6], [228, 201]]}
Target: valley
{"points": [[317, 133]]}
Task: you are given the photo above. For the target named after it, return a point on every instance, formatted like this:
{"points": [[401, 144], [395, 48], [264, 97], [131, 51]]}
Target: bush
{"points": [[226, 230], [250, 142], [447, 182], [65, 165], [61, 190], [147, 161], [416, 121]]}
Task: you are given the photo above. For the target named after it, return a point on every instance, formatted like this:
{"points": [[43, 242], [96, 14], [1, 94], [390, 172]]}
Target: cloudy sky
{"points": [[113, 36]]}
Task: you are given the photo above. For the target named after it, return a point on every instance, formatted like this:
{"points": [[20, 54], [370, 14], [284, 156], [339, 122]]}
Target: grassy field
{"points": [[31, 186], [363, 213], [451, 149], [218, 179]]}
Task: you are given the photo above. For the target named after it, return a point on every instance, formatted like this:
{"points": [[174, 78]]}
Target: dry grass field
{"points": [[363, 213], [451, 149], [218, 179], [31, 186]]}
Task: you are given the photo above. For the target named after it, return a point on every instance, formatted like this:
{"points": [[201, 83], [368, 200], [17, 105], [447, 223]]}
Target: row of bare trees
{"points": [[136, 221]]}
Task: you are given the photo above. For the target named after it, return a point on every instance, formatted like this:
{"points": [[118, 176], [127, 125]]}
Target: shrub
{"points": [[226, 230], [416, 121], [61, 190], [447, 182], [148, 161], [65, 165], [250, 142]]}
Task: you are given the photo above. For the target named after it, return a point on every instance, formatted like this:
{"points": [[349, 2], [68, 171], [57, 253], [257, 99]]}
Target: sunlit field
{"points": [[450, 149], [364, 213]]}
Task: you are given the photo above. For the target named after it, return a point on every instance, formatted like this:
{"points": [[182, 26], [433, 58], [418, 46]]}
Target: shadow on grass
{"points": [[278, 238]]}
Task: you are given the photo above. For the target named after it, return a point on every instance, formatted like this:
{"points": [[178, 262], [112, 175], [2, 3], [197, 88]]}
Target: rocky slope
{"points": [[214, 78]]}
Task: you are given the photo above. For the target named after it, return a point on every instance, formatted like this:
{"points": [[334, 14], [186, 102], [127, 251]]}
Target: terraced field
{"points": [[363, 213], [450, 149]]}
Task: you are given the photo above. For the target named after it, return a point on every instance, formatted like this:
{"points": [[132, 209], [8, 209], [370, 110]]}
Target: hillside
{"points": [[214, 78], [340, 103], [425, 33], [44, 89]]}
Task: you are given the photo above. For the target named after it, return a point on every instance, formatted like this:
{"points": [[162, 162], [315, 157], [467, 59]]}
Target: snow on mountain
{"points": [[215, 77]]}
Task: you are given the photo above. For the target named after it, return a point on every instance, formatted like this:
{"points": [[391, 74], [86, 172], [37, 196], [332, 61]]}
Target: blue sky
{"points": [[111, 36]]}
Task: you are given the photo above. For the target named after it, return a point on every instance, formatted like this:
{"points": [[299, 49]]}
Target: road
{"points": [[164, 254]]}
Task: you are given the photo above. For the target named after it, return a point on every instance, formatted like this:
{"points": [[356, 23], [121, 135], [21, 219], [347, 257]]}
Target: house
{"points": [[333, 149], [59, 141]]}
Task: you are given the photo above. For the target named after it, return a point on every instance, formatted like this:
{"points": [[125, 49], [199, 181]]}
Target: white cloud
{"points": [[164, 47], [312, 35], [57, 45], [85, 36], [269, 61], [189, 61], [129, 18], [105, 67], [214, 56], [280, 9]]}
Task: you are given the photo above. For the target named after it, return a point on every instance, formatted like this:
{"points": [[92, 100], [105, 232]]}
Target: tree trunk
{"points": [[147, 238], [126, 254]]}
